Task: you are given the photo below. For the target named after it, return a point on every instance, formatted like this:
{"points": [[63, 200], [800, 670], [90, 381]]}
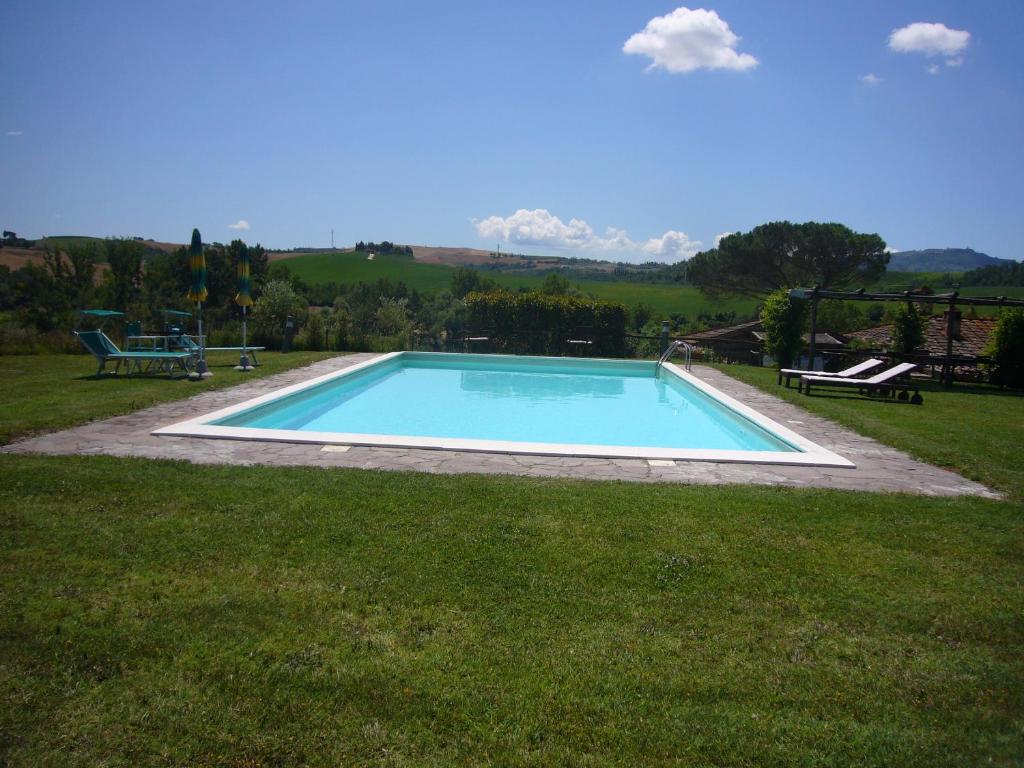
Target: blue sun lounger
{"points": [[103, 349]]}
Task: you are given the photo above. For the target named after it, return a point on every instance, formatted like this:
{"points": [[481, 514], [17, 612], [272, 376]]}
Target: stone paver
{"points": [[879, 467]]}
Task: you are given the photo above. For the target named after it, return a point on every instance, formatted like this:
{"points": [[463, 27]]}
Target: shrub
{"points": [[541, 323], [1006, 348], [313, 335], [392, 325], [277, 301], [783, 321], [907, 330]]}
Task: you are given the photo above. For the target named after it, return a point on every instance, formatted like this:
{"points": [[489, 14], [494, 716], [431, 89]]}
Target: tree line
{"points": [[118, 274], [384, 247]]}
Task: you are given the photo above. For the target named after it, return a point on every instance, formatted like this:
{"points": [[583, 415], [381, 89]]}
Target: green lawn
{"points": [[161, 613], [976, 430], [48, 392], [157, 613]]}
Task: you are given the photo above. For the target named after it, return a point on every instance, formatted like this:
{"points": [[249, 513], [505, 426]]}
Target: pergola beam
{"points": [[919, 298], [816, 294]]}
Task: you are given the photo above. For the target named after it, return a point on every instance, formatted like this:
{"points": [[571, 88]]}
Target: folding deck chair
{"points": [[104, 350]]}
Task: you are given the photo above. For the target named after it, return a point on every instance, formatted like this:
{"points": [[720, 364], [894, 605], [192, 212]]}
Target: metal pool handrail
{"points": [[675, 345]]}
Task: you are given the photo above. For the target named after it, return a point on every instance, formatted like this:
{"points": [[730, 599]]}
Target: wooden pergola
{"points": [[950, 300]]}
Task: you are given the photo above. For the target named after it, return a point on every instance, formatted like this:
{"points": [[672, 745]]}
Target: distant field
{"points": [[345, 267], [354, 267], [65, 241], [665, 299], [1010, 291], [904, 281], [15, 258]]}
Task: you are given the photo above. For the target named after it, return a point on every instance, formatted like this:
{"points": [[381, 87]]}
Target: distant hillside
{"points": [[941, 260]]}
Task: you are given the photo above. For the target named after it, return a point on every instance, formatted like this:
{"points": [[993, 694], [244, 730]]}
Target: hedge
{"points": [[539, 323]]}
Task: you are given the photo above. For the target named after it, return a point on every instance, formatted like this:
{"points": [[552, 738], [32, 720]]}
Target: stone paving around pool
{"points": [[879, 467]]}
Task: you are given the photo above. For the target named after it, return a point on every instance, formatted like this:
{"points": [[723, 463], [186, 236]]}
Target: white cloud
{"points": [[871, 79], [673, 245], [720, 237], [14, 133], [685, 40], [931, 40], [540, 227], [240, 224], [536, 227]]}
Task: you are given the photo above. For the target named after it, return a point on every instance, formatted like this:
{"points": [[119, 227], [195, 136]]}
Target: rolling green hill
{"points": [[346, 267], [941, 260], [664, 298], [150, 247]]}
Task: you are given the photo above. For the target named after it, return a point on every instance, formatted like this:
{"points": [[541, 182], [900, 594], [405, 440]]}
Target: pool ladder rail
{"points": [[672, 348]]}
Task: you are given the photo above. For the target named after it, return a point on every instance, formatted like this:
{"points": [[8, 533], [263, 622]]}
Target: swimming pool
{"points": [[511, 404]]}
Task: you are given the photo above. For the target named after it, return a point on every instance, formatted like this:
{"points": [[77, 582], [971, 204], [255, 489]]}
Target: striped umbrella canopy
{"points": [[244, 285], [197, 264]]}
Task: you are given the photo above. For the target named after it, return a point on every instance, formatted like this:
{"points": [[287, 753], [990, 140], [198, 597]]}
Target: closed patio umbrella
{"points": [[197, 292], [243, 299]]}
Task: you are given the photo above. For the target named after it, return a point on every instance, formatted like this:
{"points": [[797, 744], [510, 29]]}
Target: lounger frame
{"points": [[899, 385], [795, 373]]}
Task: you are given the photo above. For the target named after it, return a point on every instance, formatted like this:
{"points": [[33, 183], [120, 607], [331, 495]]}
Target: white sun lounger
{"points": [[890, 381], [846, 373]]}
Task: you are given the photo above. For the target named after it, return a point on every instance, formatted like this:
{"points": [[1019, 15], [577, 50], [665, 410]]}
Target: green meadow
{"points": [[162, 613], [354, 267], [665, 299]]}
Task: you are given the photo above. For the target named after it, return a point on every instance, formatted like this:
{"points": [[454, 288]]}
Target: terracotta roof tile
{"points": [[974, 335]]}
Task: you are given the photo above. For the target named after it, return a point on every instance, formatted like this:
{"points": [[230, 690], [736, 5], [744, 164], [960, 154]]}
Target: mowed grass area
{"points": [[354, 267], [162, 613], [47, 392], [974, 429], [158, 613]]}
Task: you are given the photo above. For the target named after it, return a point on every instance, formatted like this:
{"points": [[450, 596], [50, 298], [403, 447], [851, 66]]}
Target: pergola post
{"points": [[947, 373], [814, 327]]}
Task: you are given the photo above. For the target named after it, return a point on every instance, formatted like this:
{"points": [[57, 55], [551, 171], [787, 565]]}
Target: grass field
{"points": [[354, 267], [157, 613], [665, 299], [48, 392], [161, 613], [973, 429], [67, 241]]}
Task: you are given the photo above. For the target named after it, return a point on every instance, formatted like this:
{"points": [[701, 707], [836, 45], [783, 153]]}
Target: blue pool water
{"points": [[593, 402]]}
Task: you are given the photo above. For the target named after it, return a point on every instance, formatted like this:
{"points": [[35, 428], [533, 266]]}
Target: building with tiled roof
{"points": [[744, 342], [970, 336]]}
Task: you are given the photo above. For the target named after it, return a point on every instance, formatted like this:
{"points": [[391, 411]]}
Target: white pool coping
{"points": [[808, 453]]}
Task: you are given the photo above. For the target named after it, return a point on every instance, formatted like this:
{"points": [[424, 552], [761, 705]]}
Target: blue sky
{"points": [[434, 123]]}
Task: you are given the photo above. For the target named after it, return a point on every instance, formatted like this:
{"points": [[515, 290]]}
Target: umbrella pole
{"points": [[201, 367], [243, 363]]}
